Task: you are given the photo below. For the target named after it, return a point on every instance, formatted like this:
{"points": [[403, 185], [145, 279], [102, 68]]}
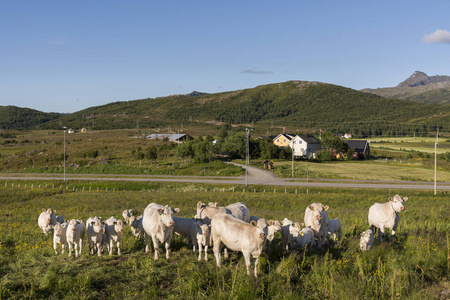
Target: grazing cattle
{"points": [[95, 230], [316, 217], [136, 225], [206, 212], [126, 214], [334, 226], [114, 231], [75, 234], [240, 211], [238, 235], [385, 215], [366, 240], [200, 235], [158, 224], [183, 227], [272, 228], [59, 236], [46, 220]]}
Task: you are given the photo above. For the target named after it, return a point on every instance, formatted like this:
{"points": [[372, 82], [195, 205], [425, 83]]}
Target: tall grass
{"points": [[415, 266]]}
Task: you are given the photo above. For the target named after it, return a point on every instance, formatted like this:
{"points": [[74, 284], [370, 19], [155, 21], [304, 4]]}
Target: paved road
{"points": [[255, 176]]}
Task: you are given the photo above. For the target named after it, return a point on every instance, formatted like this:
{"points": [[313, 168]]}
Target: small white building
{"points": [[304, 146]]}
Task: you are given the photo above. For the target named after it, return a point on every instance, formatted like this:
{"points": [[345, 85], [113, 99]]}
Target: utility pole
{"points": [[435, 160], [64, 156], [246, 157]]}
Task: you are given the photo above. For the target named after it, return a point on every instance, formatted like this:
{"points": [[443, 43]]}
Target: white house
{"points": [[304, 146]]}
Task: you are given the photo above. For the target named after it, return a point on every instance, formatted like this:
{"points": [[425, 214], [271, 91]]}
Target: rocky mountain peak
{"points": [[416, 79]]}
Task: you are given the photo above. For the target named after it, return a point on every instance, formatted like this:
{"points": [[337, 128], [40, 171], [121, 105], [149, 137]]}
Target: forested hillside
{"points": [[13, 117], [294, 103]]}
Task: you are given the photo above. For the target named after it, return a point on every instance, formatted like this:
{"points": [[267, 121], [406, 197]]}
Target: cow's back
{"points": [[240, 210]]}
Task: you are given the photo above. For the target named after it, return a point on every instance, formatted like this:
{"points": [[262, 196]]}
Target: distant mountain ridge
{"points": [[418, 87]]}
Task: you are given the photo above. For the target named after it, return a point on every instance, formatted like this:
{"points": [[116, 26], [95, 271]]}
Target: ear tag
{"points": [[63, 225], [302, 233]]}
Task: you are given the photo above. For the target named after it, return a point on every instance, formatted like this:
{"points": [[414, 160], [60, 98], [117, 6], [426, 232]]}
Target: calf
{"points": [[306, 238], [46, 220], [158, 224], [95, 230], [200, 235], [385, 215], [316, 218], [126, 214], [238, 235], [59, 236], [75, 234], [366, 240], [136, 226], [114, 231], [334, 226], [290, 232]]}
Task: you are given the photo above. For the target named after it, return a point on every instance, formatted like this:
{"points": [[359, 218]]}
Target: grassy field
{"points": [[412, 144], [415, 266], [364, 170]]}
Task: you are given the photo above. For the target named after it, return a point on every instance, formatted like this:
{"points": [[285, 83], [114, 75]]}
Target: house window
{"points": [[300, 142], [278, 140], [284, 141]]}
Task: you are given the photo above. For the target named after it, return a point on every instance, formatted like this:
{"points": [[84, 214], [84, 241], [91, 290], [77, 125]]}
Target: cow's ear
{"points": [[253, 222], [326, 207], [391, 199], [405, 199], [311, 207], [270, 222], [44, 209], [302, 224], [176, 210]]}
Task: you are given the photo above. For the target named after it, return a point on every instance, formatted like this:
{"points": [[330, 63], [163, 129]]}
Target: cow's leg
{"points": [[99, 252], [63, 246], [76, 249], [256, 266], [206, 252], [111, 245], [217, 249], [80, 246], [225, 253], [167, 244], [247, 261], [155, 245], [199, 250], [381, 233], [147, 242], [70, 249], [118, 247], [55, 247]]}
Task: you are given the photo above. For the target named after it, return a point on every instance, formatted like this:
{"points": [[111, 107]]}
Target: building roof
{"points": [[357, 145], [172, 137], [309, 139], [286, 135]]}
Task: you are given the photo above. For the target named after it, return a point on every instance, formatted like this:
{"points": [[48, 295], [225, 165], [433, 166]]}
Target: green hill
{"points": [[293, 103], [13, 117]]}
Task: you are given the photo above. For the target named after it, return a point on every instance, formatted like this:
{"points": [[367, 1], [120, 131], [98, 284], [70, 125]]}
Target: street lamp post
{"points": [[64, 156]]}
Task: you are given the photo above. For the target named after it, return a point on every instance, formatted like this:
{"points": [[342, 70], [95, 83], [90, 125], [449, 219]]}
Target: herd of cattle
{"points": [[229, 227]]}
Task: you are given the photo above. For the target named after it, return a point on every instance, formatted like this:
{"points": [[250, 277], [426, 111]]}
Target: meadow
{"points": [[415, 266]]}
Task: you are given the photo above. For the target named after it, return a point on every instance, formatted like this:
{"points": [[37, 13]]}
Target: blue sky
{"points": [[65, 56]]}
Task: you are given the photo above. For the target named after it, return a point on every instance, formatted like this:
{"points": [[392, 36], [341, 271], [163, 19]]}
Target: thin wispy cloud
{"points": [[60, 41], [438, 37], [250, 71]]}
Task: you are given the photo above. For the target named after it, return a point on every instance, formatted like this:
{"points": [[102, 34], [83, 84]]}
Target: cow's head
{"points": [[272, 228], [261, 227], [166, 214], [318, 210], [118, 226], [72, 225], [397, 203]]}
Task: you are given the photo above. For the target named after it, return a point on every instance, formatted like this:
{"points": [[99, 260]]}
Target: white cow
{"points": [[126, 214], [366, 240], [46, 220], [316, 218], [59, 236], [136, 225], [238, 235], [385, 215], [114, 232], [158, 224], [240, 211], [75, 234], [206, 212], [290, 233], [200, 235], [306, 238], [334, 226], [95, 230]]}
